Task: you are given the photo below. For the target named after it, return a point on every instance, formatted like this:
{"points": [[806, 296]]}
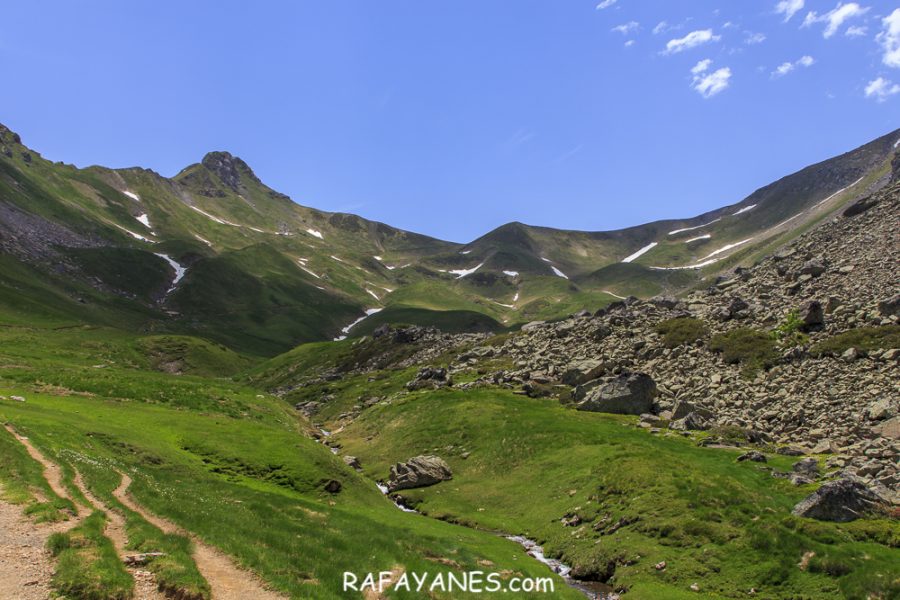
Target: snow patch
{"points": [[134, 196], [640, 252], [214, 217], [256, 229], [726, 248], [378, 258], [144, 220], [310, 272], [346, 330], [897, 143], [546, 259], [460, 273], [699, 237], [615, 295], [338, 259], [516, 297], [373, 294], [788, 220], [503, 305], [511, 273], [695, 227], [743, 210], [136, 236], [315, 233], [179, 271], [558, 273], [204, 240], [697, 266], [839, 192], [465, 251]]}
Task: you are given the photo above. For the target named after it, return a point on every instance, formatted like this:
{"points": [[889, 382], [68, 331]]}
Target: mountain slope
{"points": [[213, 251]]}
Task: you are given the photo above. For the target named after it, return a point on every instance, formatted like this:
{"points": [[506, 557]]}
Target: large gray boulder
{"points": [[419, 471], [842, 500], [630, 394]]}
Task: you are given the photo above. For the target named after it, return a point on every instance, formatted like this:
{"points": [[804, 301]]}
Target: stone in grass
{"points": [[753, 456], [628, 394], [842, 500], [419, 471]]}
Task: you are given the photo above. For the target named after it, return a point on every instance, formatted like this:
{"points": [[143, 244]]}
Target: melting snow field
{"points": [[460, 273], [144, 219], [743, 210], [695, 227], [558, 273], [698, 238], [179, 271], [346, 330], [511, 273], [315, 233], [726, 248], [640, 252], [136, 236], [132, 195], [214, 217], [843, 189]]}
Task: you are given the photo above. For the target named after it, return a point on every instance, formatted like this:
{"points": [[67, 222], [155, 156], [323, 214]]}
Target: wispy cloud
{"points": [[889, 38], [788, 8], [661, 27], [856, 31], [569, 154], [629, 43], [520, 137], [606, 4], [709, 83], [881, 89], [834, 18], [626, 28], [785, 68], [691, 40], [754, 38]]}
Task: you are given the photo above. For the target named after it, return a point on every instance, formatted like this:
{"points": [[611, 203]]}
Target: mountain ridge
{"points": [[512, 274]]}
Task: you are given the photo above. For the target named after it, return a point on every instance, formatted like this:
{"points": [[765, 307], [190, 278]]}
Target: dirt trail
{"points": [[226, 579], [145, 587], [25, 564]]}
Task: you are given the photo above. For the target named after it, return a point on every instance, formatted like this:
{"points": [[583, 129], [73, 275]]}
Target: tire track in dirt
{"points": [[226, 579], [145, 586]]}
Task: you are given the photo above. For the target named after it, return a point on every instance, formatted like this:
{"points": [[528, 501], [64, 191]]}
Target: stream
{"points": [[594, 590]]}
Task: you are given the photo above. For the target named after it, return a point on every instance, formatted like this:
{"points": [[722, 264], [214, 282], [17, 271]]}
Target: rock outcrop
{"points": [[419, 471]]}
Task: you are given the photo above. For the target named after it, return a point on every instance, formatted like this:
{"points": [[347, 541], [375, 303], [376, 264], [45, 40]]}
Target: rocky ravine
{"points": [[838, 277]]}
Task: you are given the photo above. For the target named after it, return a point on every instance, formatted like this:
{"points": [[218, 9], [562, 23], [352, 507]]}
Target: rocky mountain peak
{"points": [[228, 168]]}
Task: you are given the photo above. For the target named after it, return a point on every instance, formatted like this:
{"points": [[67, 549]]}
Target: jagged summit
{"points": [[228, 168]]}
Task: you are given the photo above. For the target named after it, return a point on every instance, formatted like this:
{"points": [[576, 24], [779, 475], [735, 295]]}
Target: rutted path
{"points": [[226, 579], [145, 586]]}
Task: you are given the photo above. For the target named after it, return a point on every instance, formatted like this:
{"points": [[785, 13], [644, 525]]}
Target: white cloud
{"points": [[881, 89], [889, 39], [691, 40], [661, 27], [754, 38], [785, 68], [626, 28], [606, 4], [788, 8], [707, 83], [701, 66], [856, 31], [835, 17], [629, 43]]}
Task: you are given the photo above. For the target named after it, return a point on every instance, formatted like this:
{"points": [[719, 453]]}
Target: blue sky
{"points": [[451, 118]]}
